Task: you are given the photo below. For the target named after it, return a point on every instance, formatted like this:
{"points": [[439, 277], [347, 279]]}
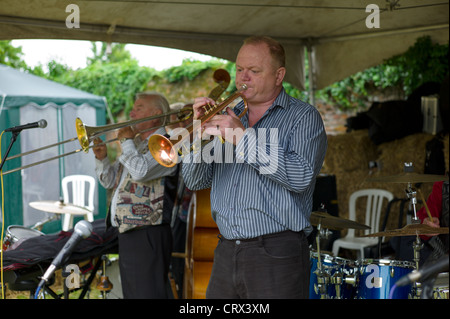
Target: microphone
{"points": [[439, 266], [82, 230], [41, 124]]}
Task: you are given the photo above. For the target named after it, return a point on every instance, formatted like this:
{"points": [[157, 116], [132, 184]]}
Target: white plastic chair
{"points": [[78, 197], [375, 199]]}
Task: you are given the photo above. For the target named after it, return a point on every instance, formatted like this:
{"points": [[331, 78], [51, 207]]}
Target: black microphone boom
{"points": [[437, 267], [41, 124], [82, 230]]}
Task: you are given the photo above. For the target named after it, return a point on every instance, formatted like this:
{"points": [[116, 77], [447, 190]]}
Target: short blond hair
{"points": [[275, 48]]}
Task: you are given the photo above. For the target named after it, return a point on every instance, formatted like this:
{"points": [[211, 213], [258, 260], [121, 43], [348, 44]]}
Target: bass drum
{"points": [[377, 277]]}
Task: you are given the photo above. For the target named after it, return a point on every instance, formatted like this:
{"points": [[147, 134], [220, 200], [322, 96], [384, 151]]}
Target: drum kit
{"points": [[16, 234], [332, 277]]}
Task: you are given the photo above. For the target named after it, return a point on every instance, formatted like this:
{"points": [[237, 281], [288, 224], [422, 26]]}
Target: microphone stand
{"points": [[13, 139]]}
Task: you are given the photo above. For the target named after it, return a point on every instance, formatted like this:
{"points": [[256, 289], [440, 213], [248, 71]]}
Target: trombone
{"points": [[85, 135]]}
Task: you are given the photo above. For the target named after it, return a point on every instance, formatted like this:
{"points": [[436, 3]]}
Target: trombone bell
{"points": [[82, 135]]}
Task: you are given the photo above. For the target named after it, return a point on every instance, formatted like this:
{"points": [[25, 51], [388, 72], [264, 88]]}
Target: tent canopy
{"points": [[19, 88], [25, 98], [335, 32]]}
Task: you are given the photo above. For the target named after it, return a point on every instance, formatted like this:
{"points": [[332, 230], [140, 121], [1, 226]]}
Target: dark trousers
{"points": [[144, 259], [271, 266], [179, 246]]}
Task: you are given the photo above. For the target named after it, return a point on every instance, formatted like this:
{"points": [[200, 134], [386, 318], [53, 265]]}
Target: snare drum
{"points": [[377, 277], [14, 234], [336, 271]]}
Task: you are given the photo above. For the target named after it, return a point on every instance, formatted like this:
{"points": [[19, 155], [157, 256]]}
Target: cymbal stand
{"points": [[411, 193], [323, 278], [417, 245], [39, 224]]}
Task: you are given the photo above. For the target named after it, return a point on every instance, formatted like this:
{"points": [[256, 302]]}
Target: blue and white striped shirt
{"points": [[267, 186]]}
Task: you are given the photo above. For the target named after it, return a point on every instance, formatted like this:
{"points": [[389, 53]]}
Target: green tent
{"points": [[26, 98]]}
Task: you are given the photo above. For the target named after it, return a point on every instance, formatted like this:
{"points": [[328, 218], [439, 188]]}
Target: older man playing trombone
{"points": [[142, 201]]}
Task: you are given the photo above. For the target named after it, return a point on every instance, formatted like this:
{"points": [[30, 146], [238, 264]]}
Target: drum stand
{"points": [[319, 219], [323, 278], [40, 224], [104, 284]]}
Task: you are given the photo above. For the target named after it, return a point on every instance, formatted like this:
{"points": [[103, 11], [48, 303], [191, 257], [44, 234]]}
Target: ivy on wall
{"points": [[423, 62]]}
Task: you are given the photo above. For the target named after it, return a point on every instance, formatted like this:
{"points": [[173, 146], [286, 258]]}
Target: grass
{"points": [[58, 287]]}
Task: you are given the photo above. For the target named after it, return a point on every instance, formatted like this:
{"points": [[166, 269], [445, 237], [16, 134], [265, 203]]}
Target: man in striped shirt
{"points": [[261, 196]]}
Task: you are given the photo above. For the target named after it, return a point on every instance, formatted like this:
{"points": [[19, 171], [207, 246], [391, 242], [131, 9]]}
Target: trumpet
{"points": [[166, 150], [86, 134]]}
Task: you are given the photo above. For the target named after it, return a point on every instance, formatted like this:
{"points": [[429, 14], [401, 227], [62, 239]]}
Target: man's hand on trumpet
{"points": [[227, 125]]}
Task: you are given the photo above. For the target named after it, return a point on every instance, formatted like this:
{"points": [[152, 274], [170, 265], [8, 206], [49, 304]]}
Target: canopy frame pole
{"points": [[311, 73]]}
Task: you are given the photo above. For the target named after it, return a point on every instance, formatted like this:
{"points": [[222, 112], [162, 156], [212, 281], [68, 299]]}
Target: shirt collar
{"points": [[281, 100]]}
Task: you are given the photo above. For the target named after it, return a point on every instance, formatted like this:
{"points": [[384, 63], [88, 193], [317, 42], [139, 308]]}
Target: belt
{"points": [[260, 238]]}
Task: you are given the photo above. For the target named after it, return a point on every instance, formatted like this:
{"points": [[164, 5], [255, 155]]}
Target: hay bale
{"points": [[350, 151], [348, 156], [410, 149]]}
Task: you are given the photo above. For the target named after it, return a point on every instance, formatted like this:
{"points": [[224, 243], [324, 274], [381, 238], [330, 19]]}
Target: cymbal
{"points": [[410, 230], [409, 177], [59, 207], [335, 223]]}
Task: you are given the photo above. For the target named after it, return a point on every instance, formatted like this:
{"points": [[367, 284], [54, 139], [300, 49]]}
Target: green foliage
{"points": [[11, 56], [189, 70], [117, 81], [117, 53], [293, 91], [423, 62]]}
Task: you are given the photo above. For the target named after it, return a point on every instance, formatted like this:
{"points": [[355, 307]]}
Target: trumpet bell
{"points": [[162, 150]]}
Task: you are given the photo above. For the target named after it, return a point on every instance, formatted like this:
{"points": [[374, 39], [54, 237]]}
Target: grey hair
{"points": [[177, 106], [161, 101]]}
